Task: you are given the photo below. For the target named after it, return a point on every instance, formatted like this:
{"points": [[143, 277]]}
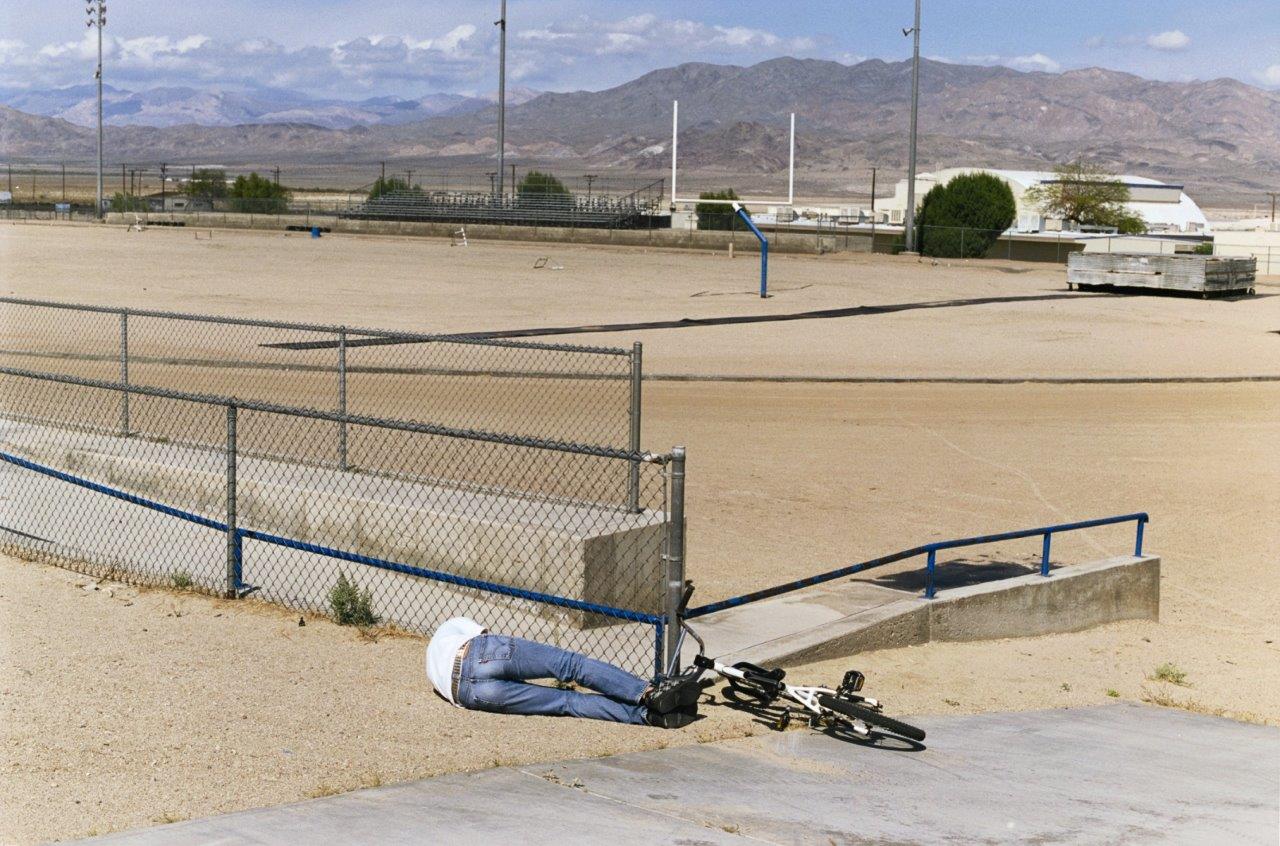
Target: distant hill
{"points": [[163, 107], [1221, 138]]}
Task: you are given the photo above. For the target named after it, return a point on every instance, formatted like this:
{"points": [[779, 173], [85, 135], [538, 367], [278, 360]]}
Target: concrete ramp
{"points": [[845, 617]]}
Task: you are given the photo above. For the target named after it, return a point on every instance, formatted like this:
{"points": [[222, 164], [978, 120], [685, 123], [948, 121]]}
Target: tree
{"points": [[387, 184], [542, 189], [207, 183], [1087, 195], [716, 215], [254, 193], [963, 218]]}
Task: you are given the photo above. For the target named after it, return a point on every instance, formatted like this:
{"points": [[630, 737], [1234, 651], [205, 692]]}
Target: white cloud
{"points": [[1172, 40], [1095, 41], [1270, 76], [1034, 62], [462, 58]]}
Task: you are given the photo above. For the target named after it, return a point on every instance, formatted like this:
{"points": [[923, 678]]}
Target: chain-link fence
{"points": [[578, 394], [551, 540]]}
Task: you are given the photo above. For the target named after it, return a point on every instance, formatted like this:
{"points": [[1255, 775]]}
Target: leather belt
{"points": [[457, 669]]}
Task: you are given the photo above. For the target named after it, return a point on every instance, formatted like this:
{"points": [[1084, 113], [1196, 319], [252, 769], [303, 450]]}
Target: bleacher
{"points": [[631, 211]]}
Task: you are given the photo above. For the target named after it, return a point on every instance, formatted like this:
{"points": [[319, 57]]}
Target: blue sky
{"points": [[349, 49]]}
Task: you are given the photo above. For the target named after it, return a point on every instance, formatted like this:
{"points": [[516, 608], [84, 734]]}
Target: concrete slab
{"points": [[843, 618], [1120, 773]]}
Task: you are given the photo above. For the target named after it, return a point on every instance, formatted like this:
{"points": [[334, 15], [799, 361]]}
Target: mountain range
{"points": [[1221, 138], [161, 107]]}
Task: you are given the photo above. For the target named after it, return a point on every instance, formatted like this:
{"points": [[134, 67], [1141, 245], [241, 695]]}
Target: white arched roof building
{"points": [[1165, 208]]}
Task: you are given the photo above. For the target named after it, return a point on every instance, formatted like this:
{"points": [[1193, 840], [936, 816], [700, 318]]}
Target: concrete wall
{"points": [[1072, 599], [794, 241], [594, 553]]}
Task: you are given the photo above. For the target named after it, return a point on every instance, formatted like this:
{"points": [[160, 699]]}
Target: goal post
{"points": [[738, 204]]}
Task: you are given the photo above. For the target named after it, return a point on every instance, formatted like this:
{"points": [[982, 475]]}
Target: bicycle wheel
{"points": [[870, 717]]}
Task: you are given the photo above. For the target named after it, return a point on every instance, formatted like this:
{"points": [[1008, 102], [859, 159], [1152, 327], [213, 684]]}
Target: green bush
{"points": [[719, 216], [350, 605], [387, 184], [1205, 249], [127, 203], [965, 217], [257, 194], [207, 183], [542, 190]]}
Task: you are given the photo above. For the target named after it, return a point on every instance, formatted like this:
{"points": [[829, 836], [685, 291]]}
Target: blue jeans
{"points": [[496, 669]]}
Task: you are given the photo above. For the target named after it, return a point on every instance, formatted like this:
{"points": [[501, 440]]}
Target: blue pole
{"points": [[764, 250], [1044, 556], [1137, 546], [929, 590]]}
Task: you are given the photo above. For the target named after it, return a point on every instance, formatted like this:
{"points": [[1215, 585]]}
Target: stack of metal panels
{"points": [[1197, 273]]}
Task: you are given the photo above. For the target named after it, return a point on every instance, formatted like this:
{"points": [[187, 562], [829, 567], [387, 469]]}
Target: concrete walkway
{"points": [[1118, 773]]}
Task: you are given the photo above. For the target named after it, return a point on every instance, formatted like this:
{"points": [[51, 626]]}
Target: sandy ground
{"points": [[784, 480], [426, 285]]}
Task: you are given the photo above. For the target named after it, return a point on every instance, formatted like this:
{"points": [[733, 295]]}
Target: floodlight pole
{"points": [[97, 13], [502, 93], [909, 227]]}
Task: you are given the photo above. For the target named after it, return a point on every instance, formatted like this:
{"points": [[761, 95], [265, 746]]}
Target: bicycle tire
{"points": [[871, 717]]}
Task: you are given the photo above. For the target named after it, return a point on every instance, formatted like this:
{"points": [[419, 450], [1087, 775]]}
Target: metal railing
{"points": [[574, 393], [227, 496], [930, 551]]}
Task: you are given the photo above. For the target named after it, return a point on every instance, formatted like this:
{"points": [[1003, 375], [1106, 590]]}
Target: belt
{"points": [[457, 669]]}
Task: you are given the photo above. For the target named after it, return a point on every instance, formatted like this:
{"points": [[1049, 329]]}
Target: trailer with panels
{"points": [[1204, 275]]}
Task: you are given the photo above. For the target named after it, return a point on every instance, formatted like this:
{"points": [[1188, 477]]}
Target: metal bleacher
{"points": [[630, 211]]}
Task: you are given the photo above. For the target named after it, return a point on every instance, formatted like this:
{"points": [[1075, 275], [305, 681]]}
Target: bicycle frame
{"points": [[807, 697]]}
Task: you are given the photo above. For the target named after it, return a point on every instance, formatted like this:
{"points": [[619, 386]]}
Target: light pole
{"points": [[501, 23], [96, 11], [909, 227]]}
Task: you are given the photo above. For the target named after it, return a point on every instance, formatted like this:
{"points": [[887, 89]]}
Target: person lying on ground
{"points": [[473, 669]]}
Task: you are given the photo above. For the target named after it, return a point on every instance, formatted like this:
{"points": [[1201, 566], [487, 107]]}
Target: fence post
{"points": [[1137, 544], [633, 478], [233, 533], [675, 560], [1044, 555], [929, 589], [342, 397], [124, 372]]}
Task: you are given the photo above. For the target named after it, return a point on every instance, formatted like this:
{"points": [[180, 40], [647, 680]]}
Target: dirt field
{"points": [[784, 480]]}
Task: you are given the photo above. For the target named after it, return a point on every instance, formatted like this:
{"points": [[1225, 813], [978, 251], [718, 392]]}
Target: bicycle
{"points": [[830, 708]]}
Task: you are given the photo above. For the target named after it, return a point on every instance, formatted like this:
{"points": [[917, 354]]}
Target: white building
{"points": [[1165, 208]]}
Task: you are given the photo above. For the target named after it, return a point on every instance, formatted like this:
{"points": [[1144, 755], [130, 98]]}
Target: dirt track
{"points": [[785, 480]]}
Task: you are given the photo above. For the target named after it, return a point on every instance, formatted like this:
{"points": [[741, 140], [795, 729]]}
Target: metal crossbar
{"points": [[930, 550]]}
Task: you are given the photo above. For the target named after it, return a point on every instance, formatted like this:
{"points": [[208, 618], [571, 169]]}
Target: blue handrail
{"points": [[930, 550]]}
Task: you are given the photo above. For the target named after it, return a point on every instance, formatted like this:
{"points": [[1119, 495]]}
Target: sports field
{"points": [[857, 426]]}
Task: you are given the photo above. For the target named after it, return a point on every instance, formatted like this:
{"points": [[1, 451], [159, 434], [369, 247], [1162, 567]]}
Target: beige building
{"points": [[1165, 208]]}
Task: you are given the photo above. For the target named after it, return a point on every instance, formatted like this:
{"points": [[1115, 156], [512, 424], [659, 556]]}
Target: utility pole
{"points": [[513, 180], [501, 23], [909, 226], [408, 182], [1273, 195], [493, 177], [277, 176], [873, 209], [163, 183], [97, 13], [64, 182], [590, 177]]}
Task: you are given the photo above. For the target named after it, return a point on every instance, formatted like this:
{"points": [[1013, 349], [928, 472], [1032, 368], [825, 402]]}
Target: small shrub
{"points": [[1170, 673], [350, 605], [1205, 249], [182, 580], [1113, 693]]}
